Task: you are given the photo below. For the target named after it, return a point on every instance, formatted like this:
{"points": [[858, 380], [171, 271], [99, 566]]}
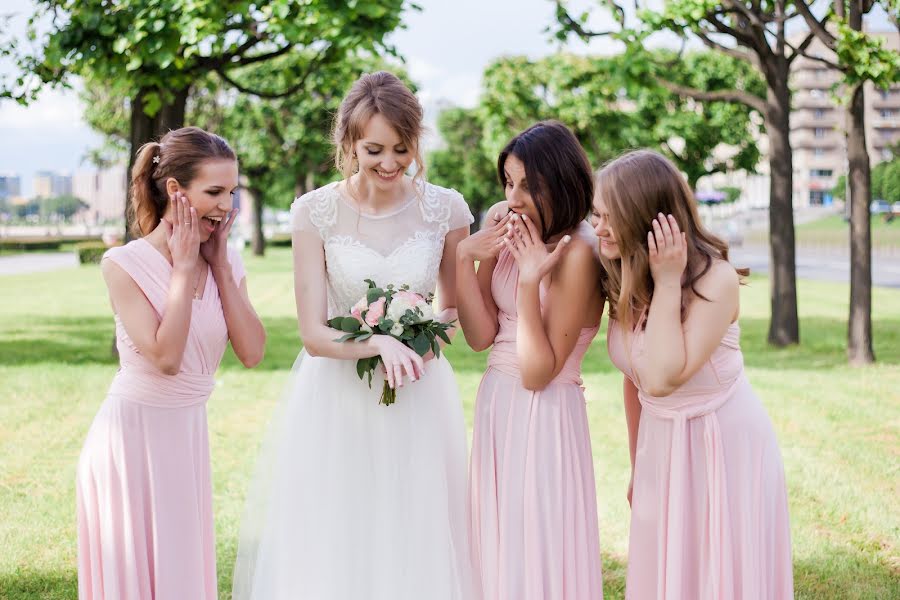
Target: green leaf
{"points": [[443, 335], [350, 325], [420, 344]]}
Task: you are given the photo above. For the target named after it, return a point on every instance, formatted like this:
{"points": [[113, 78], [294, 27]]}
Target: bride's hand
{"points": [[399, 361]]}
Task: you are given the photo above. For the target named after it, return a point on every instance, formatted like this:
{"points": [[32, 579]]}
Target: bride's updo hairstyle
{"points": [[377, 93]]}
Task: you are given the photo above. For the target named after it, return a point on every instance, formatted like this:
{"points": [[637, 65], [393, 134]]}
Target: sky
{"points": [[446, 45]]}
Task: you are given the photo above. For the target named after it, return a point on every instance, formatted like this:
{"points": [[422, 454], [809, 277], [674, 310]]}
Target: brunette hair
{"points": [[558, 174], [377, 93], [636, 187], [178, 155]]}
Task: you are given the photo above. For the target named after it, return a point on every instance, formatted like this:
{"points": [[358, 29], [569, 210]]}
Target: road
{"points": [[822, 264], [36, 262]]}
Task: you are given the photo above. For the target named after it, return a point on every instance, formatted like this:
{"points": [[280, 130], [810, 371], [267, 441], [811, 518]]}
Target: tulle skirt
{"points": [[355, 500]]}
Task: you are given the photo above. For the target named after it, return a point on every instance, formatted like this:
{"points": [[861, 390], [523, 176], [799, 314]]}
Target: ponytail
{"points": [[148, 204]]}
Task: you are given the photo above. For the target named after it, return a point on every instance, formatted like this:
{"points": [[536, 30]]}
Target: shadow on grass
{"points": [[34, 585], [38, 339]]}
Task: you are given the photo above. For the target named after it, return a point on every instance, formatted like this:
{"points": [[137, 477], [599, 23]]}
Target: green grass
{"points": [[835, 231], [838, 428]]}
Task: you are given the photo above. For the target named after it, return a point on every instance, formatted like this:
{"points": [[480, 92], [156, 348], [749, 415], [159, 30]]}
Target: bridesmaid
{"points": [[533, 506], [709, 513], [145, 525]]}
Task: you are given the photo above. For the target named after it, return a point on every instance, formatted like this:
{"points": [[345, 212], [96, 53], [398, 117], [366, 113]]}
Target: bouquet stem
{"points": [[388, 395]]}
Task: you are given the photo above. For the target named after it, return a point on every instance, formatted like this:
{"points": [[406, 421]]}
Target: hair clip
{"points": [[156, 159]]}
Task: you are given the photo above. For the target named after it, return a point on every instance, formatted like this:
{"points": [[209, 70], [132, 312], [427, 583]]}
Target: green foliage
{"points": [[731, 193], [864, 57], [463, 164], [612, 105], [886, 181], [157, 47], [90, 252], [61, 206]]}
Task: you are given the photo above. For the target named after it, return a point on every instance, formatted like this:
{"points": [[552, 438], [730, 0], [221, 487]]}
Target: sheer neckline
{"points": [[351, 204]]}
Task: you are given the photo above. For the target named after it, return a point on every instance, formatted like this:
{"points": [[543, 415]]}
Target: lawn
{"points": [[835, 231], [838, 428]]}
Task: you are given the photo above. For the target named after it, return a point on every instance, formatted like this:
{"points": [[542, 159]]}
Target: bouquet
{"points": [[399, 313]]}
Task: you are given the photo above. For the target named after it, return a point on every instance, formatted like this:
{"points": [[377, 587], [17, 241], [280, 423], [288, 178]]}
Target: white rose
{"points": [[427, 313], [397, 329], [398, 308]]}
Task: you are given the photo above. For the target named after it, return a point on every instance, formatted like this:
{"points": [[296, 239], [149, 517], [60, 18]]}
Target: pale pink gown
{"points": [[145, 523], [532, 494], [709, 515]]}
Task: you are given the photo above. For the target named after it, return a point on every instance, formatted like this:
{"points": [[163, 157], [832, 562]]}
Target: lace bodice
{"points": [[402, 247]]}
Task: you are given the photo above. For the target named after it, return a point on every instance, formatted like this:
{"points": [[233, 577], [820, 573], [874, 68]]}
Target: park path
{"points": [[37, 262]]}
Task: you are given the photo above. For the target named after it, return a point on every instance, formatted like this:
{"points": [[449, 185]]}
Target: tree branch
{"points": [[313, 64], [733, 52], [573, 25], [814, 25], [735, 96], [801, 49]]}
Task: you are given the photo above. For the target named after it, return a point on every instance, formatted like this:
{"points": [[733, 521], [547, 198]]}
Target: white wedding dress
{"points": [[353, 500]]}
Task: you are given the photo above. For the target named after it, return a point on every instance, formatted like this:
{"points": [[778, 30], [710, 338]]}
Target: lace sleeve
{"points": [[314, 212], [460, 215]]}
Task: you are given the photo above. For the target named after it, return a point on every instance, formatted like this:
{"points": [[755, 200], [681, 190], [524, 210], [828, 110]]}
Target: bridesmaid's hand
{"points": [[215, 249], [486, 243], [525, 243], [183, 233], [668, 251]]}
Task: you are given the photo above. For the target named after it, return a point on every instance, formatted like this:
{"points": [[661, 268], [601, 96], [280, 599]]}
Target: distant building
{"points": [[103, 191], [10, 186], [48, 184], [818, 124]]}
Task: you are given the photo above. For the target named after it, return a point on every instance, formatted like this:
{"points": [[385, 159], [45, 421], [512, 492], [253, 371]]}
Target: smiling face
{"points": [[518, 194], [382, 154], [600, 220], [210, 192]]}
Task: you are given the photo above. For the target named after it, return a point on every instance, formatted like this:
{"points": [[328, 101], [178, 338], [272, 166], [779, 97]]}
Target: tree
{"points": [[65, 207], [753, 32], [463, 164], [153, 51], [611, 108], [860, 58]]}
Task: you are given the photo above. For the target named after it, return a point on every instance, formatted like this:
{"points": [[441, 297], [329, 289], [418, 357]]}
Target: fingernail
{"points": [[524, 217]]}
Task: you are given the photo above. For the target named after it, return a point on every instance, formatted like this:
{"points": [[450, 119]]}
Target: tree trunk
{"points": [[784, 327], [259, 237], [145, 128], [859, 330]]}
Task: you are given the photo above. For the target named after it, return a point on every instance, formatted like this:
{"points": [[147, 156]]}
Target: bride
{"points": [[354, 500]]}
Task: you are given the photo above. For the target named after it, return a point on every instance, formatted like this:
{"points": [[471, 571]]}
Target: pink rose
{"points": [[376, 311], [412, 298], [358, 309]]}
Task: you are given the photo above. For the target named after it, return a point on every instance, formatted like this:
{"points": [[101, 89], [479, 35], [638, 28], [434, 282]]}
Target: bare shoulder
{"points": [[721, 282], [496, 212], [580, 259]]}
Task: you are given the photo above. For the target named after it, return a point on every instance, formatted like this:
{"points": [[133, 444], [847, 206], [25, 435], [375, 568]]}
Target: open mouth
{"points": [[211, 222], [388, 175]]}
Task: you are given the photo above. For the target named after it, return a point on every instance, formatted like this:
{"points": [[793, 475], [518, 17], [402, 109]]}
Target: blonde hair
{"points": [[636, 187], [178, 155], [377, 93]]}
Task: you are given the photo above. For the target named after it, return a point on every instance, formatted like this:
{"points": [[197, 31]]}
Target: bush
{"points": [[90, 252]]}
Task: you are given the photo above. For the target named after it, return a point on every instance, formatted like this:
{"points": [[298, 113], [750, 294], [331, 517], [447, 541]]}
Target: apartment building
{"points": [[818, 127]]}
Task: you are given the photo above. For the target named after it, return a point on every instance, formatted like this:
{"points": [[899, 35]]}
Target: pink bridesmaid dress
{"points": [[709, 515], [145, 523], [533, 499]]}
